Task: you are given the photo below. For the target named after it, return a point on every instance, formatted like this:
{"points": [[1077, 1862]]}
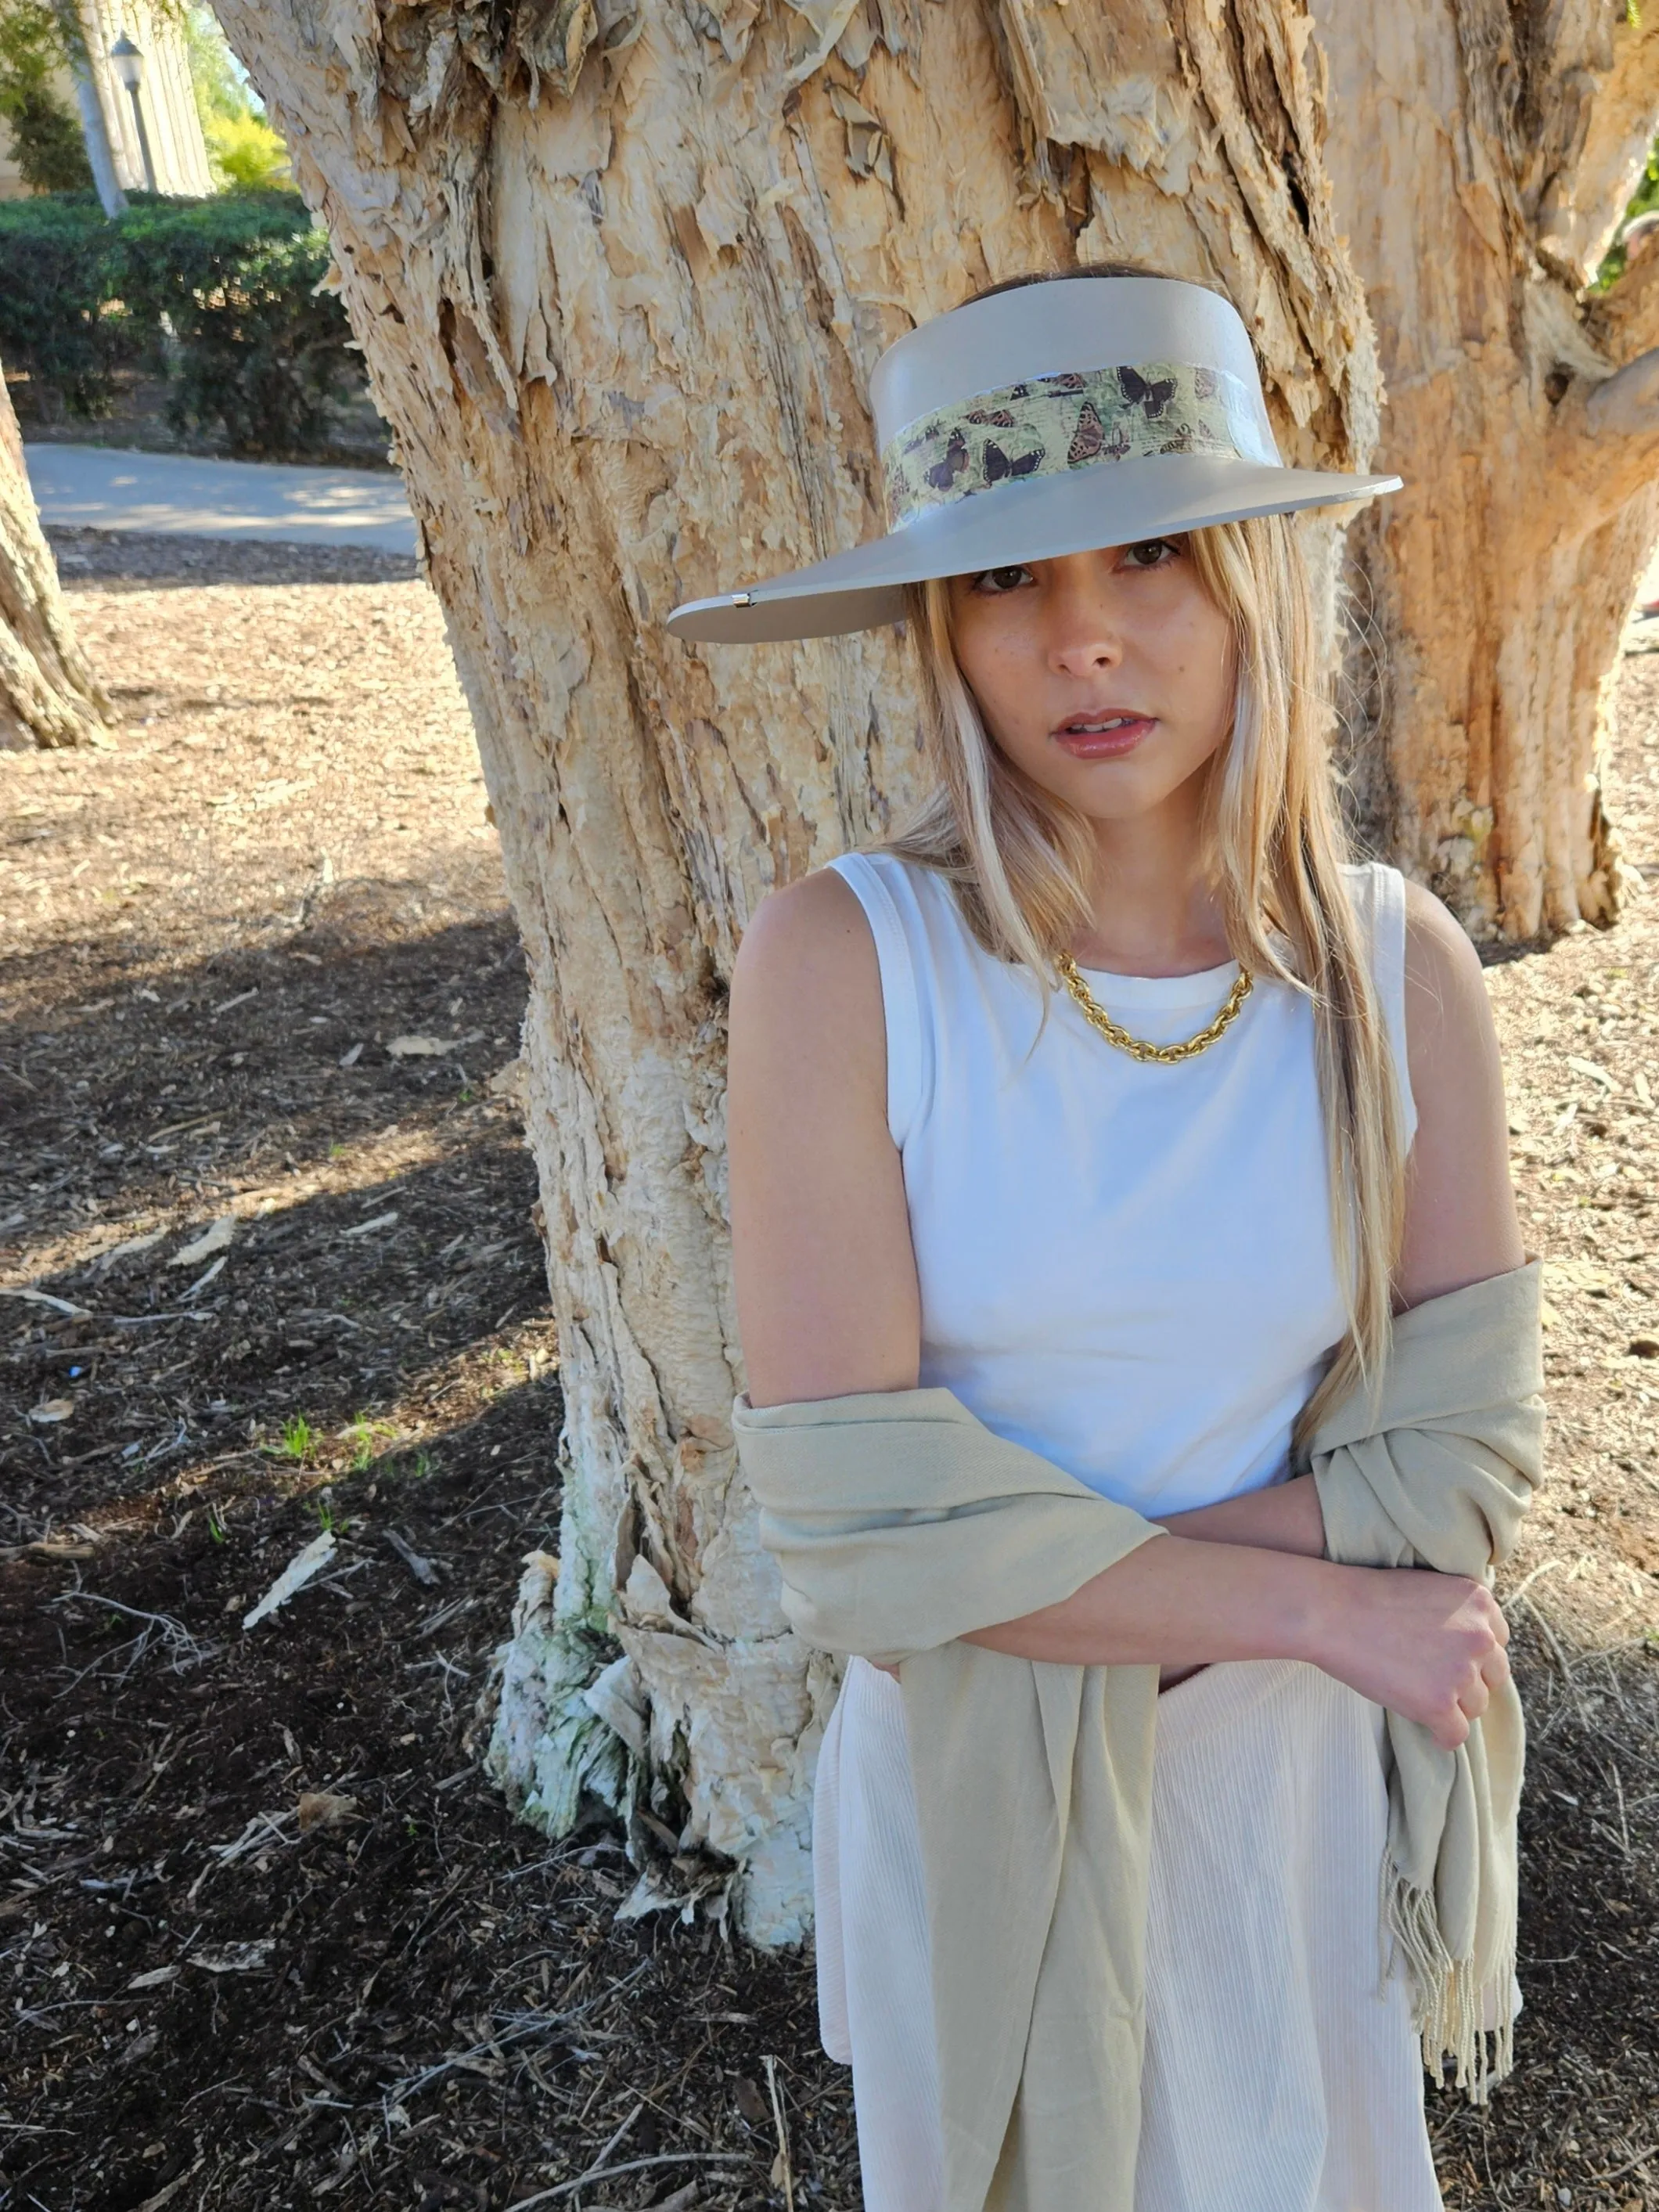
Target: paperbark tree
{"points": [[1482, 155], [48, 694], [620, 273]]}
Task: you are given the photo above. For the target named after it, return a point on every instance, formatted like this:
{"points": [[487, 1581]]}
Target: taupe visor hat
{"points": [[1050, 419]]}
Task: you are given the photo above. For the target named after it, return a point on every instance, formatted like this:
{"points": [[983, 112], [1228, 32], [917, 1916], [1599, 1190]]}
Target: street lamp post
{"points": [[130, 68]]}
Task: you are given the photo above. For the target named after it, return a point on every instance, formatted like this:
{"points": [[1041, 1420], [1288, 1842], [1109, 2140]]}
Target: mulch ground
{"points": [[268, 1277]]}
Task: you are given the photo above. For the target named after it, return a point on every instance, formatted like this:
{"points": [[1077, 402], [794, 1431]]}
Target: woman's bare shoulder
{"points": [[1448, 1012], [1460, 1223], [805, 917], [807, 964], [825, 1277]]}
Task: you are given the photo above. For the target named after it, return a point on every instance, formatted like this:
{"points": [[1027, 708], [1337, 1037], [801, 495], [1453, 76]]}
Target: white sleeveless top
{"points": [[1129, 1269], [1124, 1267]]}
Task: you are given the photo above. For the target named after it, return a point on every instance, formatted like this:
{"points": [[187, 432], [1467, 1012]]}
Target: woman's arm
{"points": [[825, 1274], [1283, 1517], [1427, 1645], [1460, 1222], [828, 1305]]}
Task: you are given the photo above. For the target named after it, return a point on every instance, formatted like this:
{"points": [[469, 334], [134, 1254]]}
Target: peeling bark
{"points": [[1480, 174], [620, 275], [49, 696]]}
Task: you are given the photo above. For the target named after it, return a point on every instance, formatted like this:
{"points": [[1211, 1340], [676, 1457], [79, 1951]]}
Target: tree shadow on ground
{"points": [[381, 1210], [420, 2002], [112, 560]]}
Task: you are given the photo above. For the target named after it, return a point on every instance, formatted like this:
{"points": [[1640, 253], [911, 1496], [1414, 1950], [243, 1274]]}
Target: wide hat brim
{"points": [[1122, 504]]}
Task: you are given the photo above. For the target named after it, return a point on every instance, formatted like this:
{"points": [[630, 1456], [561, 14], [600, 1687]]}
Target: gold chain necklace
{"points": [[1165, 1056]]}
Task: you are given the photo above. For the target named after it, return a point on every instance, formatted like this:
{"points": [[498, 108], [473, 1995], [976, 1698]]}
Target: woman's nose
{"points": [[1082, 644], [1082, 636]]}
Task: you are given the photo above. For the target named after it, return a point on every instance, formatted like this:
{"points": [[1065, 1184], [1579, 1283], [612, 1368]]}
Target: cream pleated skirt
{"points": [[1281, 2072]]}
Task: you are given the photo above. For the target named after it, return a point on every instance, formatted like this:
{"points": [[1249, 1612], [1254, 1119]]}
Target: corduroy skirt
{"points": [[1281, 2072]]}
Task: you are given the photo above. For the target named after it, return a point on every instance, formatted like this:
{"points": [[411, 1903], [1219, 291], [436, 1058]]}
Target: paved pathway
{"points": [[102, 488]]}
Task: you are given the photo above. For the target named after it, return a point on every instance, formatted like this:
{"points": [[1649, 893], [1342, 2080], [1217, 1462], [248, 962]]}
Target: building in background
{"points": [[130, 92]]}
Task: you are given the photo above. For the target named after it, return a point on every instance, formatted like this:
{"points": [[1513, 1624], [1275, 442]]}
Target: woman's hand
{"points": [[1430, 1647]]}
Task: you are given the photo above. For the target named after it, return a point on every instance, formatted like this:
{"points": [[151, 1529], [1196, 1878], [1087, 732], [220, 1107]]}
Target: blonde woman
{"points": [[1116, 1099]]}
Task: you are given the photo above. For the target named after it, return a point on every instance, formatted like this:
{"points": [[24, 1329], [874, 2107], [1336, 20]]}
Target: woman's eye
{"points": [[1152, 554], [1002, 580]]}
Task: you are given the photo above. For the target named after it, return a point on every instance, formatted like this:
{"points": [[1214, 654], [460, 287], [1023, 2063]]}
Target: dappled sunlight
{"points": [[286, 1303]]}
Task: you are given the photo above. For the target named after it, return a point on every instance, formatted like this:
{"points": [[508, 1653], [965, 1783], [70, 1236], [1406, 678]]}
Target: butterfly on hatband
{"points": [[1089, 440], [997, 464], [944, 474], [1151, 396]]}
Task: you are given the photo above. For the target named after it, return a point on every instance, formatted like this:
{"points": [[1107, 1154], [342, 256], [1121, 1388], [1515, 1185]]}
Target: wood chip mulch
{"points": [[266, 1936]]}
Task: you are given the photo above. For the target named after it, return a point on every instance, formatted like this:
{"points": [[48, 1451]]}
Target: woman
{"points": [[1114, 1099]]}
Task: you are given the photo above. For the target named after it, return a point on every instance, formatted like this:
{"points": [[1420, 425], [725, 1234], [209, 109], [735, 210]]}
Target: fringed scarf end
{"points": [[1449, 2005]]}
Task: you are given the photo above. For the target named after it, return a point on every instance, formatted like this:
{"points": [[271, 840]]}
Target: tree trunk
{"points": [[1479, 173], [620, 277], [48, 694]]}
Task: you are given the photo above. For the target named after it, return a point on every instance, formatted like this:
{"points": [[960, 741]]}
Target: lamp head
{"points": [[128, 63]]}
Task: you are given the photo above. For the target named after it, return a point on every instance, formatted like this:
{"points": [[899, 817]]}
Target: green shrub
{"points": [[245, 152], [261, 355], [58, 317], [221, 293], [1643, 201], [46, 138]]}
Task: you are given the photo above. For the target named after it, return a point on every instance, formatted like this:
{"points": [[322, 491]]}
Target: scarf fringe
{"points": [[1448, 2007]]}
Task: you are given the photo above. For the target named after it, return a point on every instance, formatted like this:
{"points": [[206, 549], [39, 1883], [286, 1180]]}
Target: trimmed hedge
{"points": [[58, 318], [220, 293], [261, 354]]}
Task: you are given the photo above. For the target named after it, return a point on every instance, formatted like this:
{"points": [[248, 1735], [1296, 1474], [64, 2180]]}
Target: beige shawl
{"points": [[902, 1523]]}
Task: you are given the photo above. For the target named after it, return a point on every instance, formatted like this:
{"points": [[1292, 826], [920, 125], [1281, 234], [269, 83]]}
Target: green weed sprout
{"points": [[362, 1435]]}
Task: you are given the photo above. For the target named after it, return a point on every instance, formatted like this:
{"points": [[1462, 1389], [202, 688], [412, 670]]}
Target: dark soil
{"points": [[267, 1935], [116, 562], [416, 2002]]}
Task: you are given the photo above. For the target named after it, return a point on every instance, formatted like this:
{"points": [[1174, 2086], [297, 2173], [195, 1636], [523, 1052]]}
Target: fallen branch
{"points": [[182, 1647], [1629, 2166], [631, 2165], [294, 1576], [65, 1306]]}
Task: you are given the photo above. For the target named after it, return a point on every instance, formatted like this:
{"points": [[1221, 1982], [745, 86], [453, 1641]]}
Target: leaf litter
{"points": [[354, 1978], [436, 2007], [295, 1576]]}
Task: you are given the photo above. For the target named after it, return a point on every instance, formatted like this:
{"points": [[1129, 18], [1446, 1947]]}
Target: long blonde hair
{"points": [[1022, 865]]}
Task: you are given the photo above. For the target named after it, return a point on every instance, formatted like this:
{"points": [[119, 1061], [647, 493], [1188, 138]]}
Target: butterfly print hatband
{"points": [[1072, 420]]}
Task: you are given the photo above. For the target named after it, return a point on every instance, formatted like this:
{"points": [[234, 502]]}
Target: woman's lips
{"points": [[1125, 734]]}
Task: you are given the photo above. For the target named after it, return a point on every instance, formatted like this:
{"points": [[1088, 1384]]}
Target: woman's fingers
{"points": [[1453, 1732], [1426, 1645], [1474, 1698], [1477, 1694]]}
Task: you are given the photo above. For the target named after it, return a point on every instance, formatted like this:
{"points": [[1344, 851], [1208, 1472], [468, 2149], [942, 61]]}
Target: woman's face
{"points": [[1107, 677]]}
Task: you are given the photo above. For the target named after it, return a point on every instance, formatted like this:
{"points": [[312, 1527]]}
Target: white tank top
{"points": [[1125, 1267]]}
